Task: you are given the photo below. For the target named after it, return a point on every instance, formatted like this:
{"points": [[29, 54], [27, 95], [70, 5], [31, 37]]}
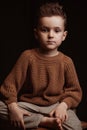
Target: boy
{"points": [[43, 86]]}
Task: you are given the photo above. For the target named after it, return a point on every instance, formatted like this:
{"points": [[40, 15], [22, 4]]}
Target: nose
{"points": [[50, 34]]}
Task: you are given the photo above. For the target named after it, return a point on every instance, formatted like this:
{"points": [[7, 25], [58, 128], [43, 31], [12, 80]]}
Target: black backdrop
{"points": [[16, 35]]}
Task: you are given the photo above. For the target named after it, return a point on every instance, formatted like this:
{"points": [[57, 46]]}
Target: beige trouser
{"points": [[38, 112]]}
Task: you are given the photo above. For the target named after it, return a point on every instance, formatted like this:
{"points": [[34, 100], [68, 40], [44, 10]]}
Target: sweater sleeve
{"points": [[72, 90], [14, 81]]}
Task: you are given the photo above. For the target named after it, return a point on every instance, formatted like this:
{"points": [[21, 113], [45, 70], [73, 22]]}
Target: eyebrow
{"points": [[48, 27]]}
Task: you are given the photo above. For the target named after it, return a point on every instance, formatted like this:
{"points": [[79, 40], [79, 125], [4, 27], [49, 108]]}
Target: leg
{"points": [[3, 111], [73, 123], [30, 122], [40, 116]]}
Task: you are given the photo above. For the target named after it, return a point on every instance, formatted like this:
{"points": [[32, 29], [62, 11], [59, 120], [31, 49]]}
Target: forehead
{"points": [[56, 21]]}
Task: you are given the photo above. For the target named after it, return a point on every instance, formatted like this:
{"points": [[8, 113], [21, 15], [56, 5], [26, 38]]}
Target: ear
{"points": [[35, 33], [64, 35]]}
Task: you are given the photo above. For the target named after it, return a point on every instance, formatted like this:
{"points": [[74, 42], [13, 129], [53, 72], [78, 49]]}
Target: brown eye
{"points": [[44, 30], [57, 30]]}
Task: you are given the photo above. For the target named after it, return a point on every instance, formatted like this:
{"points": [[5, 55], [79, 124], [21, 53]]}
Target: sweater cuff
{"points": [[10, 100]]}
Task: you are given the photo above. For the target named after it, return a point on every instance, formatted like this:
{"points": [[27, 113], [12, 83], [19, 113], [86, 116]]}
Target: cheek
{"points": [[60, 37], [42, 37]]}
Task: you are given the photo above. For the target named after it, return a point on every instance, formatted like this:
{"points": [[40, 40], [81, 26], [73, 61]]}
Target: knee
{"points": [[78, 126], [73, 123]]}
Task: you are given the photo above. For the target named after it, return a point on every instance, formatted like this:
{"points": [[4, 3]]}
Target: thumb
{"points": [[51, 113], [26, 113]]}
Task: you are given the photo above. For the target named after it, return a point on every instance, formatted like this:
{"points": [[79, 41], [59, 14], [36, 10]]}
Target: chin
{"points": [[51, 48]]}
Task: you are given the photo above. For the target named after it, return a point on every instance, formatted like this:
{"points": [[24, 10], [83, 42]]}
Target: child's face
{"points": [[50, 32]]}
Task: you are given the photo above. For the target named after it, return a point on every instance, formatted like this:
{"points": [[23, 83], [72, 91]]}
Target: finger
{"points": [[58, 121], [18, 124], [57, 114], [51, 113], [60, 125], [61, 117], [15, 123], [26, 113], [66, 117], [22, 124], [60, 128]]}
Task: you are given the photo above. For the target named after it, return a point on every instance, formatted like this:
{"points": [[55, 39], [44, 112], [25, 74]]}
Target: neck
{"points": [[48, 53]]}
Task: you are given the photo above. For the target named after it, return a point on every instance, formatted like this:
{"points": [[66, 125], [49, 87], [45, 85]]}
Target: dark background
{"points": [[16, 35]]}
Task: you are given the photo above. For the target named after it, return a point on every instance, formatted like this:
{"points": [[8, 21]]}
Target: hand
{"points": [[60, 112], [16, 115]]}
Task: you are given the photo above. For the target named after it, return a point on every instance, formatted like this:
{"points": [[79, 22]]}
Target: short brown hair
{"points": [[51, 9]]}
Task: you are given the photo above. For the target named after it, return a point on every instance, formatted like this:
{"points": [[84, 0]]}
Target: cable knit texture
{"points": [[42, 80]]}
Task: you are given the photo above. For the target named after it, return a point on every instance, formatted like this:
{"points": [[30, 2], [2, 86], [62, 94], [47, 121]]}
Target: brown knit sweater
{"points": [[42, 80]]}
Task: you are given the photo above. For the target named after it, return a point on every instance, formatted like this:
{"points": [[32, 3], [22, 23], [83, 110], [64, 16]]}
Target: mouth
{"points": [[51, 42]]}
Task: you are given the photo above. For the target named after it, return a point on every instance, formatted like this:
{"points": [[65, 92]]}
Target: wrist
{"points": [[65, 105], [12, 105]]}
